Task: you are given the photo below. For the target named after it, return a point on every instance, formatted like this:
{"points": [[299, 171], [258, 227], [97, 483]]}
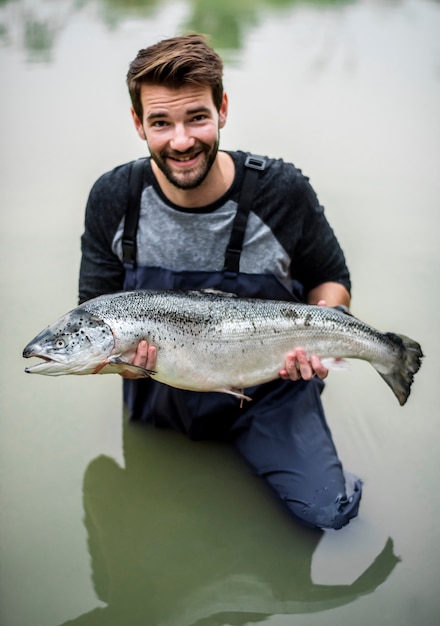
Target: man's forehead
{"points": [[155, 97]]}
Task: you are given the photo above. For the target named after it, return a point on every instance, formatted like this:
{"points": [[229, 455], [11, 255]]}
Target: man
{"points": [[192, 216]]}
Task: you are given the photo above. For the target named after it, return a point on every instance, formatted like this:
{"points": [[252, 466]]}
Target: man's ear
{"points": [[223, 112], [138, 125]]}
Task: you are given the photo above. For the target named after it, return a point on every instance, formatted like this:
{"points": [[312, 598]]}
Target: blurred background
{"points": [[107, 523]]}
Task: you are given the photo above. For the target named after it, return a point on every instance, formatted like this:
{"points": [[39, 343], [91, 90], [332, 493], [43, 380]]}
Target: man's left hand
{"points": [[298, 366]]}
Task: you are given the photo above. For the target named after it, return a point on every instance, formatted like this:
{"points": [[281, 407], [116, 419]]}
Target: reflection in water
{"points": [[113, 12], [227, 22], [36, 25], [39, 38], [172, 543]]}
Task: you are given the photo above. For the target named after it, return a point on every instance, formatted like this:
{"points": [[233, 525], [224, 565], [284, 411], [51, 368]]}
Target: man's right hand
{"points": [[145, 357]]}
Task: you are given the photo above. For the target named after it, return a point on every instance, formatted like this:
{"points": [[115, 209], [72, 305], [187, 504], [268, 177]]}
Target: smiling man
{"points": [[181, 127], [191, 216]]}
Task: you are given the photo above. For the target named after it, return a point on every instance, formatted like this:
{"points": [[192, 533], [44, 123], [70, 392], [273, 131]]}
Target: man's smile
{"points": [[183, 158]]}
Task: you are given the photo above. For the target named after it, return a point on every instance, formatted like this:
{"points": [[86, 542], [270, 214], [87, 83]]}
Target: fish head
{"points": [[77, 343]]}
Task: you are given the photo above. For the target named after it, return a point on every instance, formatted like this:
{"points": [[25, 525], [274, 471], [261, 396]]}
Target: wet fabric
{"points": [[282, 433], [285, 438]]}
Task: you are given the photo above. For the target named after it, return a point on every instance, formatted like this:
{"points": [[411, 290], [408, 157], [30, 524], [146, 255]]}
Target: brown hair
{"points": [[175, 62]]}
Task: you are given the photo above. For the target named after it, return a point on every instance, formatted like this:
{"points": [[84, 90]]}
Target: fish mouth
{"points": [[45, 364]]}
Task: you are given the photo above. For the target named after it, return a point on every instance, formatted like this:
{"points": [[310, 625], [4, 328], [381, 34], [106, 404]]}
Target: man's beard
{"points": [[194, 178]]}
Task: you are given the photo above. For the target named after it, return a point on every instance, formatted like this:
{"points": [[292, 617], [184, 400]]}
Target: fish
{"points": [[214, 342]]}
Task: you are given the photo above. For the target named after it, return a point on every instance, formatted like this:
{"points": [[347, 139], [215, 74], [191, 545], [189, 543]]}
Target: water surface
{"points": [[107, 523]]}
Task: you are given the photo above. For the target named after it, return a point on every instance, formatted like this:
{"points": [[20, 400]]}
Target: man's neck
{"points": [[219, 179]]}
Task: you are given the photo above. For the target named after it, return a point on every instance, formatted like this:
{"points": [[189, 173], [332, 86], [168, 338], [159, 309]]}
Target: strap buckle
{"points": [[255, 162]]}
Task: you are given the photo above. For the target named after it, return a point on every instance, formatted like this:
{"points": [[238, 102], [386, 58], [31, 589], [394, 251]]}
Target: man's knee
{"points": [[325, 514]]}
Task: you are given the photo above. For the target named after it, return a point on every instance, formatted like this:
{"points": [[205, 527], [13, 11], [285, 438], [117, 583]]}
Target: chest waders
{"points": [[282, 432]]}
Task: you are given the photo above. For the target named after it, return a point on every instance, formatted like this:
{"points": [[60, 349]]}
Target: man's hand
{"points": [[145, 357], [298, 366]]}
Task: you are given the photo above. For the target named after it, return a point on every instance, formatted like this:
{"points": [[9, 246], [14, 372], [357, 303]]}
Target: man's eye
{"points": [[199, 118], [159, 124]]}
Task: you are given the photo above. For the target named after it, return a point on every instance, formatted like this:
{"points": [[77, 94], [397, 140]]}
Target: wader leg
{"points": [[286, 440]]}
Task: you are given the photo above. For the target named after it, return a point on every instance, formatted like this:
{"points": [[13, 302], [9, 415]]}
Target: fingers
{"points": [[291, 368], [140, 358], [145, 355], [318, 368], [298, 366]]}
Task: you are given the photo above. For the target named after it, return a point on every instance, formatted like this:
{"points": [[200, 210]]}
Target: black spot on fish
{"points": [[289, 313], [307, 320]]}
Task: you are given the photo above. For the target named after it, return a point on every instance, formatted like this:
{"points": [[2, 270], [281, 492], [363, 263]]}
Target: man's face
{"points": [[181, 127]]}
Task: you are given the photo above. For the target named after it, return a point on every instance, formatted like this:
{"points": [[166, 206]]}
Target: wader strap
{"points": [[135, 185], [254, 165]]}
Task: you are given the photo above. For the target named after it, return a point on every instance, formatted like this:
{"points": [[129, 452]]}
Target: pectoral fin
{"points": [[116, 365]]}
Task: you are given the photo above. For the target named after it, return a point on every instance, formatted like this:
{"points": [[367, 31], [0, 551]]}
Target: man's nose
{"points": [[182, 139]]}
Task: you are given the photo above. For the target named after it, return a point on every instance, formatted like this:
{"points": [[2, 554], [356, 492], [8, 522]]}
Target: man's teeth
{"points": [[183, 159]]}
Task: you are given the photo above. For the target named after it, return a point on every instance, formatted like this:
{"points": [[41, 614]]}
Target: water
{"points": [[105, 523]]}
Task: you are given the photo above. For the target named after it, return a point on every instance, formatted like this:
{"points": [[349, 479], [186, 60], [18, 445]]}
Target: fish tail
{"points": [[407, 363]]}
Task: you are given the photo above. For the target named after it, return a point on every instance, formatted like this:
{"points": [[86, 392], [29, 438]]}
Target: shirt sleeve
{"points": [[101, 270], [288, 203], [318, 256]]}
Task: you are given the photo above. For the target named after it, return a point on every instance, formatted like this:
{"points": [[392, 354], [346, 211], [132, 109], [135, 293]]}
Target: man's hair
{"points": [[174, 63]]}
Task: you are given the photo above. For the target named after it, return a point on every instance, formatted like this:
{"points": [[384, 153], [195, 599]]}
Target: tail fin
{"points": [[408, 362]]}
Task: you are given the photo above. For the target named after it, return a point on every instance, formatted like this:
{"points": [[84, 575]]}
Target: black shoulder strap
{"points": [[254, 165], [135, 185]]}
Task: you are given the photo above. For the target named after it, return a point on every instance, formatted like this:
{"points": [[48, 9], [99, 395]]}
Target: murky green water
{"points": [[107, 523]]}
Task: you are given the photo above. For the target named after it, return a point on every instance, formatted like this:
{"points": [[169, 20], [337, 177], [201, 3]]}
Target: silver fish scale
{"points": [[200, 315], [252, 335]]}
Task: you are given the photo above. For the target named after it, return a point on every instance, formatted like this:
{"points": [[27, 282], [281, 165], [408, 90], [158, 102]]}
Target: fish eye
{"points": [[59, 344]]}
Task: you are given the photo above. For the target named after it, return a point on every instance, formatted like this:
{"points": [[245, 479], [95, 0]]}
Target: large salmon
{"points": [[214, 342]]}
